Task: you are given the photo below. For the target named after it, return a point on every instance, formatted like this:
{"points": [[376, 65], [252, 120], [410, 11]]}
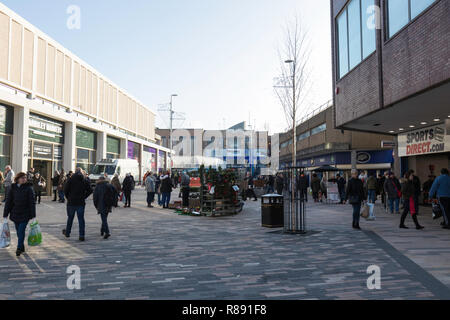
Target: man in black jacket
{"points": [[127, 187], [104, 195], [303, 185], [77, 190]]}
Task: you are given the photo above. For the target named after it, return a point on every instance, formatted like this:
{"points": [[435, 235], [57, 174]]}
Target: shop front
{"points": [[45, 146], [112, 148], [86, 153], [426, 151], [6, 132], [162, 161], [134, 152], [373, 161], [149, 160]]}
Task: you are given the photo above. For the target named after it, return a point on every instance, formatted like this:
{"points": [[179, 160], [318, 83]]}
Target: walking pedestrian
{"points": [[315, 186], [77, 189], [250, 187], [185, 188], [341, 187], [55, 181], [30, 175], [408, 193], [393, 189], [355, 196], [441, 191], [270, 184], [279, 183], [20, 207], [2, 180], [9, 179], [157, 187], [323, 189], [417, 189], [61, 183], [104, 199], [372, 188], [150, 188], [127, 187], [39, 185], [166, 190], [118, 187], [303, 185]]}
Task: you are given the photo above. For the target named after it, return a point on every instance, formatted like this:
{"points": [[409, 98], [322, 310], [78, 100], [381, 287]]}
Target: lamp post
{"points": [[171, 129]]}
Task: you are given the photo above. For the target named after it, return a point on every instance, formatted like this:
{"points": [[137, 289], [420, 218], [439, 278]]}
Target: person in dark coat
{"points": [[55, 182], [20, 206], [185, 188], [127, 187], [39, 185], [166, 190], [315, 186], [341, 187], [393, 189], [118, 187], [101, 191], [409, 197], [250, 187], [279, 183], [77, 189], [302, 186], [355, 195], [157, 188], [417, 189]]}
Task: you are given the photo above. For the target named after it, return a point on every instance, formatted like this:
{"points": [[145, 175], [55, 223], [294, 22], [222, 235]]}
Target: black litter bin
{"points": [[272, 209]]}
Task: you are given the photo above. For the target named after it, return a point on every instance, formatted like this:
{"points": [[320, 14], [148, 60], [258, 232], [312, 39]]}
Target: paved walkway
{"points": [[156, 254]]}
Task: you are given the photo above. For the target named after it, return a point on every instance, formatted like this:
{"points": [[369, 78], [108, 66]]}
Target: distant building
{"points": [[239, 148]]}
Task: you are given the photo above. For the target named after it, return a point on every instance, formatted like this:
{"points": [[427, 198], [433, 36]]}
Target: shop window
{"points": [[355, 35], [319, 129], [401, 12]]}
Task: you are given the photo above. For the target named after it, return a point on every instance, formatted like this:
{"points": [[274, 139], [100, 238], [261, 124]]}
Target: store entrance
{"points": [[45, 169]]}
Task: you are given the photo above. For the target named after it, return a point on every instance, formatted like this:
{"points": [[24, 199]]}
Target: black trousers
{"points": [[127, 198], [304, 194], [37, 196], [445, 205], [251, 193], [185, 195]]}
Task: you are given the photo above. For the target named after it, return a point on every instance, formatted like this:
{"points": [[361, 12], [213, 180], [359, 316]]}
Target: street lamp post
{"points": [[171, 129]]}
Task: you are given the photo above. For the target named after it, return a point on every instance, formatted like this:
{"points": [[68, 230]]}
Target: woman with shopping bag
{"points": [[408, 193], [20, 206]]}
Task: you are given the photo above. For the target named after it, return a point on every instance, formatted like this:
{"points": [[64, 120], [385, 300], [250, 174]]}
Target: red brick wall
{"points": [[418, 57]]}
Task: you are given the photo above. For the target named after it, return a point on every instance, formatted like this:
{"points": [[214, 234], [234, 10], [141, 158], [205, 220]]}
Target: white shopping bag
{"points": [[371, 211], [5, 236]]}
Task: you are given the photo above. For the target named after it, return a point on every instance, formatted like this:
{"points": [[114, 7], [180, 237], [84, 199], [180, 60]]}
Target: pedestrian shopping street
{"points": [[157, 254]]}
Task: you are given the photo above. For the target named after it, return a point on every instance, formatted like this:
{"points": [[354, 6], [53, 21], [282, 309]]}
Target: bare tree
{"points": [[294, 83]]}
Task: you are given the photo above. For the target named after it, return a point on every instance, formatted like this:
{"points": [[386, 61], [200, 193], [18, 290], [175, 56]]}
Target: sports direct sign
{"points": [[425, 141]]}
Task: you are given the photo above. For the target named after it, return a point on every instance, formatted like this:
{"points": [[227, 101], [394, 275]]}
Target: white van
{"points": [[113, 166]]}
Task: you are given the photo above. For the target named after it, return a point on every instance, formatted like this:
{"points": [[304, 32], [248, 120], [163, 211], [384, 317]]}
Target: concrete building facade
{"points": [[57, 112]]}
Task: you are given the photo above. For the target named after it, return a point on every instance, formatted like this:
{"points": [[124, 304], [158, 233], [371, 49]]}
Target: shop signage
{"points": [[46, 129], [388, 144], [363, 157], [425, 141]]}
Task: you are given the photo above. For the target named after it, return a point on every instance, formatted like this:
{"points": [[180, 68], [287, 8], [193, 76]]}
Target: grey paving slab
{"points": [[157, 254]]}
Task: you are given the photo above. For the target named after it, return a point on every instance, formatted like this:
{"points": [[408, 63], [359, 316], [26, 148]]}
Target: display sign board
{"points": [[46, 129], [429, 140]]}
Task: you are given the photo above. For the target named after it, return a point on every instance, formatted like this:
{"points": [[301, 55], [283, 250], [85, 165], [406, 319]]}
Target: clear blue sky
{"points": [[220, 56]]}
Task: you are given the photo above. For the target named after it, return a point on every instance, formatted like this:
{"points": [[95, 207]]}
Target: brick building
{"points": [[391, 76], [319, 143]]}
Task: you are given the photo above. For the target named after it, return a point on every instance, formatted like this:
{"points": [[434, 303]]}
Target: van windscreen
{"points": [[102, 169]]}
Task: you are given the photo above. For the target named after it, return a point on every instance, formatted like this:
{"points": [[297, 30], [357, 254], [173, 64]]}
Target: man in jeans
{"points": [[441, 191], [372, 188], [76, 190], [392, 187]]}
